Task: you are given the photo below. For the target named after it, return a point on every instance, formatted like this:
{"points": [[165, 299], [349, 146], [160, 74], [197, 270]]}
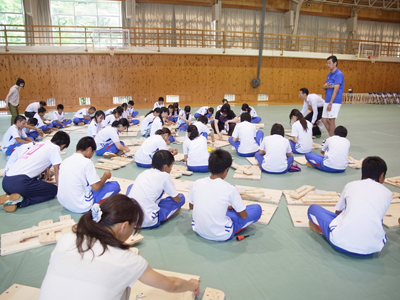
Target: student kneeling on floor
{"points": [[218, 210], [149, 188], [22, 184], [356, 227], [79, 185]]}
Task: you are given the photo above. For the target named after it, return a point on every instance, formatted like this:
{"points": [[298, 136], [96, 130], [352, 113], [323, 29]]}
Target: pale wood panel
{"points": [[198, 79]]}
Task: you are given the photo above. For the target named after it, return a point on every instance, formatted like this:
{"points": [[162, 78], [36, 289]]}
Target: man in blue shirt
{"points": [[334, 87]]}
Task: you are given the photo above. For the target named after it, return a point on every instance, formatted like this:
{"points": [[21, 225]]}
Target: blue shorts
{"points": [[80, 120], [135, 122], [254, 212], [260, 159], [108, 189], [322, 218], [11, 148], [293, 146], [200, 169], [318, 162], [134, 113], [173, 119], [256, 120], [33, 134], [258, 139], [197, 115], [183, 127], [109, 148], [143, 165]]}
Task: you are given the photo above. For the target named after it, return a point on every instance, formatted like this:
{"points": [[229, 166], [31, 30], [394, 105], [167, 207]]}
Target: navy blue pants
{"points": [[33, 190]]}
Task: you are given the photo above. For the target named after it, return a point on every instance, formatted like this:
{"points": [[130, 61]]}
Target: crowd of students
{"points": [[218, 210]]}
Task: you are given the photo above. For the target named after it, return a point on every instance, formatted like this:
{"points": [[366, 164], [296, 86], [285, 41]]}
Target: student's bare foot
{"points": [[7, 198], [314, 227], [10, 208], [81, 123], [177, 212], [309, 165], [10, 201], [109, 155], [120, 152]]}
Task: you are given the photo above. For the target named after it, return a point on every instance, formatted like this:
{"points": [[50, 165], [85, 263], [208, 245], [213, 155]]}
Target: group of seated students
{"points": [[218, 211]]}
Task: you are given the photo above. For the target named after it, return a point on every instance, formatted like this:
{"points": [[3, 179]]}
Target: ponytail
{"points": [[116, 209], [162, 131], [193, 132], [150, 112], [162, 110], [300, 118]]}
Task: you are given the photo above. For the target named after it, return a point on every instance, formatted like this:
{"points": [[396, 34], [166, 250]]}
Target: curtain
{"points": [[28, 30]]}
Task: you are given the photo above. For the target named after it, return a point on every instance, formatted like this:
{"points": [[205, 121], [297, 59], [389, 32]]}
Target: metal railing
{"points": [[34, 35]]}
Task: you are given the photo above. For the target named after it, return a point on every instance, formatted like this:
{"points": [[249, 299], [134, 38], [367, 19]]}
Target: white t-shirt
{"points": [[202, 110], [276, 147], [125, 114], [130, 110], [109, 111], [13, 99], [148, 191], [358, 228], [336, 152], [253, 112], [16, 154], [211, 198], [105, 136], [219, 107], [146, 123], [82, 112], [314, 101], [77, 174], [197, 151], [33, 107], [183, 115], [246, 132], [304, 143], [156, 125], [202, 128], [37, 159], [158, 105], [150, 146], [10, 135], [94, 128], [57, 117], [101, 277], [40, 122], [108, 120]]}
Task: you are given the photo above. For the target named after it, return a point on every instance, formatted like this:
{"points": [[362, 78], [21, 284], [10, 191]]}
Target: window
{"points": [[84, 101], [86, 13], [172, 98], [12, 13], [121, 99], [262, 97], [2, 104], [229, 97], [51, 102]]}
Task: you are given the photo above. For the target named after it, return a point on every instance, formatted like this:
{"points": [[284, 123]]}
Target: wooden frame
{"points": [[298, 214], [393, 181]]}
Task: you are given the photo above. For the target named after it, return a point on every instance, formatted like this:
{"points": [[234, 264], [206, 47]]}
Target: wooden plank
{"points": [[20, 292], [354, 163], [391, 218], [252, 160], [123, 183], [248, 172], [316, 146], [213, 294], [108, 167], [140, 290], [26, 239], [129, 133], [300, 159], [132, 150], [133, 239], [134, 142], [393, 181], [259, 125], [299, 216], [301, 191], [179, 157], [116, 162], [268, 211]]}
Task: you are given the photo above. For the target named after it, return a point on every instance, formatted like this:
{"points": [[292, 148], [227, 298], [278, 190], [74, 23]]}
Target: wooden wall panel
{"points": [[198, 79]]}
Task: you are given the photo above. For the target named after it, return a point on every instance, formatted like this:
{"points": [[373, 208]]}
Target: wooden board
{"points": [[115, 162], [134, 128], [354, 163], [259, 125], [396, 198], [123, 183], [248, 172], [268, 211], [391, 218], [133, 239], [301, 191], [125, 159], [129, 133], [300, 159], [107, 167], [20, 292], [252, 160], [72, 128], [288, 132], [26, 239], [81, 131], [393, 181], [134, 142], [299, 214], [151, 293], [316, 146], [213, 294], [179, 170], [132, 150], [179, 157]]}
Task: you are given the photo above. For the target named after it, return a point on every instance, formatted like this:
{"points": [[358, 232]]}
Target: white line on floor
{"points": [[384, 133]]}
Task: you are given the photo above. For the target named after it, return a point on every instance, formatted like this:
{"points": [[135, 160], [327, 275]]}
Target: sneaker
{"points": [[294, 168]]}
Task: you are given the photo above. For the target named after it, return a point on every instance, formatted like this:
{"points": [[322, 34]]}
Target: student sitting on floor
{"points": [[107, 140], [31, 133], [149, 188], [225, 121], [33, 108], [356, 226], [131, 110], [96, 124], [184, 118], [39, 116], [275, 154], [114, 116], [335, 153], [201, 125], [79, 185], [83, 116], [301, 140], [145, 125], [109, 111], [224, 101], [22, 177], [205, 111], [170, 118], [158, 123], [176, 112], [245, 137], [15, 136], [250, 109], [93, 261], [59, 119], [159, 103], [127, 115], [195, 151], [218, 209], [158, 141]]}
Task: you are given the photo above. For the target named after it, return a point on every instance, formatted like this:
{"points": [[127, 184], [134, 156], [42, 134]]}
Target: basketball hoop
{"points": [[372, 58], [111, 48]]}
